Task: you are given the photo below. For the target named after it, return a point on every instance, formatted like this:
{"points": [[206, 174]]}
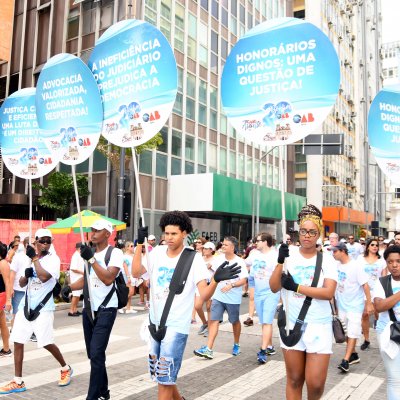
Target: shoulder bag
{"points": [[386, 282]]}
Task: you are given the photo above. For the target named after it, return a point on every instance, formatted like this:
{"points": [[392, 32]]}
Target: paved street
{"points": [[223, 378]]}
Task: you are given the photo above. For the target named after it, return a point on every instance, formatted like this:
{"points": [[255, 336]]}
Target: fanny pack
{"points": [[176, 286], [31, 315], [295, 334]]}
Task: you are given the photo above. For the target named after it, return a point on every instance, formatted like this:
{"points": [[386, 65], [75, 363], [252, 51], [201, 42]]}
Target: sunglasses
{"points": [[373, 245], [44, 241]]}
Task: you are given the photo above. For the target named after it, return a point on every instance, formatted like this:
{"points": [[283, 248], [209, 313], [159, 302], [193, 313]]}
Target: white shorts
{"points": [[77, 293], [353, 323], [316, 338], [42, 326]]}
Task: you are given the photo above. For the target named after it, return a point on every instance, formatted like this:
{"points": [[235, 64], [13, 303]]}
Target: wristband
{"points": [[298, 288]]}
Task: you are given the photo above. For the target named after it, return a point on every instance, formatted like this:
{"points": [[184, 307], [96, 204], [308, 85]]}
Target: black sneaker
{"points": [[33, 338], [105, 396], [365, 345], [344, 366], [354, 359], [4, 353]]}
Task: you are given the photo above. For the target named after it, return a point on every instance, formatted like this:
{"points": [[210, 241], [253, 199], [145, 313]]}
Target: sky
{"points": [[390, 20]]}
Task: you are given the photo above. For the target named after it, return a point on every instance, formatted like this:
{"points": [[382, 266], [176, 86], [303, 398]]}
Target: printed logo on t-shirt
{"points": [[164, 276], [259, 269], [341, 281], [303, 276]]}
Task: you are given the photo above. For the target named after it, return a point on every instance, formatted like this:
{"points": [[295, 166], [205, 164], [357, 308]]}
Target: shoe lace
{"points": [[64, 374], [13, 385]]}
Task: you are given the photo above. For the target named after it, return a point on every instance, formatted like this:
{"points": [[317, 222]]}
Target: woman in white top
{"points": [[374, 266], [307, 360], [390, 351], [126, 271]]}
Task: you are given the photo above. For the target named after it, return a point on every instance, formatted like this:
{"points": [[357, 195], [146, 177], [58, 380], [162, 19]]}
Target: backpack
{"points": [[119, 285]]}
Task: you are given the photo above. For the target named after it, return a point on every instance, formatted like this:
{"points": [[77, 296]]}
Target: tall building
{"points": [[390, 54], [203, 165], [353, 187]]}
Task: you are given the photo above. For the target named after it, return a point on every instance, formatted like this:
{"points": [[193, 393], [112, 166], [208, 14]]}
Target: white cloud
{"points": [[390, 20]]}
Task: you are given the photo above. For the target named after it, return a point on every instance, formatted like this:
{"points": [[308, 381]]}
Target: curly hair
{"points": [[176, 218], [391, 249]]}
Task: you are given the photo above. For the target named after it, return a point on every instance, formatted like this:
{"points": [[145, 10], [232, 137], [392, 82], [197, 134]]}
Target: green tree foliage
{"points": [[112, 152], [58, 195]]}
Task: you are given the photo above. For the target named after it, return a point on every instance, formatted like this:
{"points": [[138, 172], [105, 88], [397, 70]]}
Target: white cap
{"points": [[43, 232], [343, 240], [101, 224], [209, 245], [151, 237], [386, 241]]}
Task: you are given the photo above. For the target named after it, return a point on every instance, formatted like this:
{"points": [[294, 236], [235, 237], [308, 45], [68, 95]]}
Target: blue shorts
{"points": [[266, 307], [250, 282], [16, 299], [218, 308], [165, 357]]}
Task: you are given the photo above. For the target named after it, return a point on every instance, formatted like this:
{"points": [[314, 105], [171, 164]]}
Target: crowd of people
{"points": [[305, 279]]}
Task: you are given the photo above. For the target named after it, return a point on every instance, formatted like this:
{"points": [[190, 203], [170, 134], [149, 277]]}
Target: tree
{"points": [[112, 152], [59, 194]]}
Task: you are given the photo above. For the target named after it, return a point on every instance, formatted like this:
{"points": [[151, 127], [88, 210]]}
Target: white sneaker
{"points": [[130, 311], [121, 311]]}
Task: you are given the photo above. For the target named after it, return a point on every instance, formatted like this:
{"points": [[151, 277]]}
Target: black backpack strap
{"points": [[178, 281], [307, 302], [107, 258], [386, 282], [31, 315]]}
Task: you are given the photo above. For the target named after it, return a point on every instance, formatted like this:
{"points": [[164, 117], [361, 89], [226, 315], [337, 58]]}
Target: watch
{"points": [[233, 284], [92, 260]]}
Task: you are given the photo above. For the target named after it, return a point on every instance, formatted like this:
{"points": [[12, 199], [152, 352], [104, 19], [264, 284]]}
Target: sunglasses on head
{"points": [[44, 241]]}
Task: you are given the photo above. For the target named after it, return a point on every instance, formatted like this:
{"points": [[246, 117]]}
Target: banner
{"points": [[69, 108], [24, 152], [135, 70], [384, 131], [280, 81]]}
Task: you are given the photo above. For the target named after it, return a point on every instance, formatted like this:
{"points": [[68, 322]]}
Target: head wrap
{"points": [[311, 213]]}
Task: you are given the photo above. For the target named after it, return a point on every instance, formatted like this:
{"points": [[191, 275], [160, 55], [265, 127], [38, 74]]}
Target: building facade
{"points": [[197, 139]]}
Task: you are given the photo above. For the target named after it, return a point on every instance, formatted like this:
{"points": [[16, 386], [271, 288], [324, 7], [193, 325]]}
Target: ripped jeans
{"points": [[165, 357]]}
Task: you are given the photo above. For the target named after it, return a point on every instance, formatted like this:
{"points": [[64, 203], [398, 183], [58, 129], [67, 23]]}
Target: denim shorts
{"points": [[218, 308], [266, 307], [16, 299], [165, 357]]}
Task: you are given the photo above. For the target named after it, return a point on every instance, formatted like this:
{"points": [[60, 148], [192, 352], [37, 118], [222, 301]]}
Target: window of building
{"points": [[201, 169], [89, 17], [234, 7], [213, 120], [214, 63], [145, 162], [165, 28], [397, 193], [192, 48], [150, 16], [192, 26], [179, 27], [176, 147], [202, 91], [176, 168], [301, 187], [212, 160], [242, 14], [214, 9], [204, 4], [214, 41], [203, 56], [161, 165], [164, 146], [201, 152], [190, 109], [99, 162], [202, 117], [241, 166], [224, 17], [73, 24], [107, 13], [166, 9], [191, 85], [213, 97], [223, 124], [224, 48], [249, 168], [189, 167], [223, 160], [232, 164], [234, 25], [178, 106], [189, 147]]}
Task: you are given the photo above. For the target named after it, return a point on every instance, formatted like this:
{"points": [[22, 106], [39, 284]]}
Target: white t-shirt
{"points": [[384, 316], [373, 270], [38, 289], [99, 289], [234, 295], [261, 267], [355, 250], [161, 268], [302, 270], [349, 290], [77, 263], [19, 264]]}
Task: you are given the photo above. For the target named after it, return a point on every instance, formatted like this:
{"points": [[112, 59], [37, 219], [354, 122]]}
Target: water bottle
{"points": [[9, 315]]}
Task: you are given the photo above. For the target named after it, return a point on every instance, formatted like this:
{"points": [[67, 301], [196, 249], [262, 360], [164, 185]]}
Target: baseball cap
{"points": [[101, 224], [209, 245], [151, 237], [43, 232], [386, 241], [362, 239], [340, 246]]}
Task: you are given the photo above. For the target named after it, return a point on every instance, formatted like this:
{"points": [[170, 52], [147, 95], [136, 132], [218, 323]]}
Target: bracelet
{"points": [[298, 288]]}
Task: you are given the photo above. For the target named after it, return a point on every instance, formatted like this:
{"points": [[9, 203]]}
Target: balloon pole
{"points": [[283, 224], [82, 236], [30, 234]]}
